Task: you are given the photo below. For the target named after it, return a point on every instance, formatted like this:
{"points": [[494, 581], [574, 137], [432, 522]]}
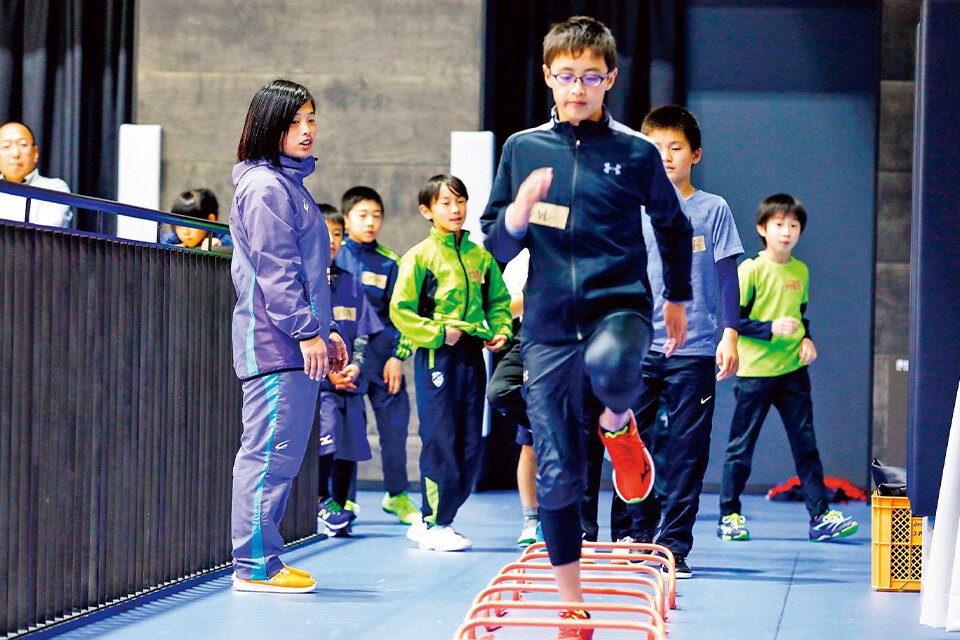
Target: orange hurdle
{"points": [[518, 571], [603, 563], [467, 630], [489, 593]]}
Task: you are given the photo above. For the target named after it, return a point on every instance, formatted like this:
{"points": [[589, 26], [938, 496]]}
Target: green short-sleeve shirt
{"points": [[772, 291]]}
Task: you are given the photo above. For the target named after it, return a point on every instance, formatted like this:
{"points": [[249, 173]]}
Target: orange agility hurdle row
{"points": [[604, 563]]}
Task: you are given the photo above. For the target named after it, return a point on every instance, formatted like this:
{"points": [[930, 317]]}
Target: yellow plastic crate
{"points": [[897, 545]]}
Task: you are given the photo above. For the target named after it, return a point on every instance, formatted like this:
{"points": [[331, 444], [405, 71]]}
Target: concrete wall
{"points": [[894, 166], [391, 78]]}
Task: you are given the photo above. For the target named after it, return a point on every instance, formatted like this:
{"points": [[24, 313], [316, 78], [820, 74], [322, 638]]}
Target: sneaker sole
{"points": [[428, 547], [735, 538], [239, 584], [408, 520], [649, 489]]}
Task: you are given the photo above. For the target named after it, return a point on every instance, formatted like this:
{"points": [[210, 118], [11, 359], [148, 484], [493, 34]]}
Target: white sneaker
{"points": [[444, 538], [528, 534], [416, 530]]}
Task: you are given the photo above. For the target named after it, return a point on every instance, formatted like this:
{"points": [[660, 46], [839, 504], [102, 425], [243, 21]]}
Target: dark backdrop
{"points": [[66, 71], [786, 95], [648, 55]]}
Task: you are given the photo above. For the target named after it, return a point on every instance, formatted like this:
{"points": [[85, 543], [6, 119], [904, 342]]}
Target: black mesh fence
{"points": [[119, 420]]}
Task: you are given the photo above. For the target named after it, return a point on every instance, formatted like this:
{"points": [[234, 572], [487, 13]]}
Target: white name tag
{"points": [[550, 215], [372, 279], [699, 244], [345, 313]]}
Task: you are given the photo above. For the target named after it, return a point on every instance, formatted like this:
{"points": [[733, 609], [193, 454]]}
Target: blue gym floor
{"points": [[377, 585]]}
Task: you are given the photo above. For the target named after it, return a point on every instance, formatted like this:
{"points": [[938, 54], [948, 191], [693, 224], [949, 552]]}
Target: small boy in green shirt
{"points": [[449, 301], [775, 349]]}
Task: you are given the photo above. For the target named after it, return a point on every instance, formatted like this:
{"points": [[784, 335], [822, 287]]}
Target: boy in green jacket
{"points": [[450, 301]]}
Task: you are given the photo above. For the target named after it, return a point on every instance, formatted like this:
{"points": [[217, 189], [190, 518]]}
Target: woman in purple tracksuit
{"points": [[282, 325]]}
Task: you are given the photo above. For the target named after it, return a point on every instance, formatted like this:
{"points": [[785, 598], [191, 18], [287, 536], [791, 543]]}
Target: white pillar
{"points": [[472, 160], [138, 178]]}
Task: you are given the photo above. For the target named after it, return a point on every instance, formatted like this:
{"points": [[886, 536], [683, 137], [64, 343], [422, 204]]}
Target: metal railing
{"points": [[119, 419], [101, 207]]}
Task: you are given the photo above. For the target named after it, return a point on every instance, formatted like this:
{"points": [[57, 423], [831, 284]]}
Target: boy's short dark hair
{"points": [[781, 202], [353, 195], [577, 33], [431, 190], [271, 111], [332, 214], [674, 118], [196, 203]]}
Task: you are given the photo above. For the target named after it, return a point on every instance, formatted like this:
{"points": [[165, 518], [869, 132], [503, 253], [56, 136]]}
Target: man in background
{"points": [[18, 163]]}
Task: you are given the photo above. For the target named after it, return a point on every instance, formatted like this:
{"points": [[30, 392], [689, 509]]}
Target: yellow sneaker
{"points": [[284, 582], [401, 506], [297, 572]]}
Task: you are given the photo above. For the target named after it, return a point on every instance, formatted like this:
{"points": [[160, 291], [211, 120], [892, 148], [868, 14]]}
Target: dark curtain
{"points": [[66, 71], [649, 56]]}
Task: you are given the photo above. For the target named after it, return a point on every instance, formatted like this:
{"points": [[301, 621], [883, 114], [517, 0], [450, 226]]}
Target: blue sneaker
{"points": [[733, 526], [832, 524], [331, 515]]}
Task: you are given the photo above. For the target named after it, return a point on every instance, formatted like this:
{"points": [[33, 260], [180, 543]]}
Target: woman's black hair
{"points": [[271, 111]]}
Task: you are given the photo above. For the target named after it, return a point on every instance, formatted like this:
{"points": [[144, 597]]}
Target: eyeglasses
{"points": [[587, 80]]}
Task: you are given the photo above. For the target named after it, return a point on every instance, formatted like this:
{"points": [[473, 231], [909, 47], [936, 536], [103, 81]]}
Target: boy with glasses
{"points": [[571, 191]]}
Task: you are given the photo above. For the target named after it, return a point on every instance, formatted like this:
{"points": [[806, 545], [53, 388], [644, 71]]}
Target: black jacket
{"points": [[604, 172]]}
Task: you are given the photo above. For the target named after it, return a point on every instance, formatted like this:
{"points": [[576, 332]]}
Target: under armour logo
{"points": [[281, 446], [607, 168]]}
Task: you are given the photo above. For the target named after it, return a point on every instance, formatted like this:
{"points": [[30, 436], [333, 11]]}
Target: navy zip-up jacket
{"points": [[587, 255], [376, 267]]}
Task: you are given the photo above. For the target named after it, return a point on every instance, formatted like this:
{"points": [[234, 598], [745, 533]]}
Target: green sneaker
{"points": [[350, 505], [733, 527], [400, 506]]}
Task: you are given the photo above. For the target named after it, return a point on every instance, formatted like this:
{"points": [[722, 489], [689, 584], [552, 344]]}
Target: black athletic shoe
{"points": [[682, 568]]}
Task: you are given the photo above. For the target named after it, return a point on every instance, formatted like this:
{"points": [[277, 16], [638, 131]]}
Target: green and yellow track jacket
{"points": [[441, 286]]}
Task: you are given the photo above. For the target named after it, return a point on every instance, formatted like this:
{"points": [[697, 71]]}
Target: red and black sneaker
{"points": [[574, 633], [633, 471]]}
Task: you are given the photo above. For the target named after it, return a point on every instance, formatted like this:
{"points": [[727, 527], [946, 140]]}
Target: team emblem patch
{"points": [[437, 378]]}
